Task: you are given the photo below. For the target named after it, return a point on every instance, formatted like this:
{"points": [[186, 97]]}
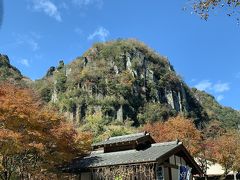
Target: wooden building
{"points": [[134, 157]]}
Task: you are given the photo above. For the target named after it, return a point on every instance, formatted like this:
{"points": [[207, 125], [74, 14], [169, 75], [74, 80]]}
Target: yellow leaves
{"points": [[84, 72], [115, 130], [83, 140], [94, 119]]}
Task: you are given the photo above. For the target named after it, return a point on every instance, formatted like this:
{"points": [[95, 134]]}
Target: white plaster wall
{"points": [[174, 173]]}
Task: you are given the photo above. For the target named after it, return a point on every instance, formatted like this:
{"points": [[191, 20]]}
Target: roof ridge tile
{"points": [[176, 142]]}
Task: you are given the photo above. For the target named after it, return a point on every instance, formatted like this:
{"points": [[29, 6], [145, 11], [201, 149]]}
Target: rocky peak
{"points": [[50, 71], [124, 80], [60, 65], [10, 74], [4, 60], [7, 71]]}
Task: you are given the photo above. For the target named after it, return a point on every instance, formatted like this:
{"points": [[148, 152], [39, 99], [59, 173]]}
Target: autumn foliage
{"points": [[224, 149], [177, 128], [213, 144], [33, 137]]}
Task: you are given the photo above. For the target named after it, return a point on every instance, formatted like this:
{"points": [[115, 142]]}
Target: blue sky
{"points": [[36, 34]]}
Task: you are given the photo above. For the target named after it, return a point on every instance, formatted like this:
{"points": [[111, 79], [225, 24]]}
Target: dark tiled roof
{"points": [[98, 158], [120, 139]]}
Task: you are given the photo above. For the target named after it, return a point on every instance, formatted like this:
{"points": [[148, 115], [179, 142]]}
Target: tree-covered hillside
{"points": [[124, 80], [9, 73], [228, 116]]}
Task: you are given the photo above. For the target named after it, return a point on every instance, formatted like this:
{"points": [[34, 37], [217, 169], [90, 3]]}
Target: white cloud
{"points": [[24, 62], [221, 87], [218, 87], [203, 85], [220, 97], [82, 3], [48, 7], [101, 33], [28, 39]]}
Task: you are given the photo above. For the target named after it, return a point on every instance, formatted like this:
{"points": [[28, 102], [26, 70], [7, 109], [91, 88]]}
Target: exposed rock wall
{"points": [[119, 78]]}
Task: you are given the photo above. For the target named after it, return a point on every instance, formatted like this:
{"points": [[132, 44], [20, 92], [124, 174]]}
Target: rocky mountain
{"points": [[124, 80], [118, 82], [227, 115], [9, 73]]}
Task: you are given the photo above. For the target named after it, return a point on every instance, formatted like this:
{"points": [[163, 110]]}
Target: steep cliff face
{"points": [[124, 80]]}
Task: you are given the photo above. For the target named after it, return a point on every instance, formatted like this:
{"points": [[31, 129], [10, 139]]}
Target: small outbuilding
{"points": [[135, 157]]}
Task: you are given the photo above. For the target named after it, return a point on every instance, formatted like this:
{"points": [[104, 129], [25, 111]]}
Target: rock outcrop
{"points": [[120, 78], [9, 73]]}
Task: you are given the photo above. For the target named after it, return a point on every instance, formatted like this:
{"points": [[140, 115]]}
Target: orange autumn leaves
{"points": [[176, 128], [225, 151], [213, 143], [30, 129]]}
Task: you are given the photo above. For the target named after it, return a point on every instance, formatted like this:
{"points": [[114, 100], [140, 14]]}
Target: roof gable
{"points": [[99, 159], [152, 153], [119, 141]]}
